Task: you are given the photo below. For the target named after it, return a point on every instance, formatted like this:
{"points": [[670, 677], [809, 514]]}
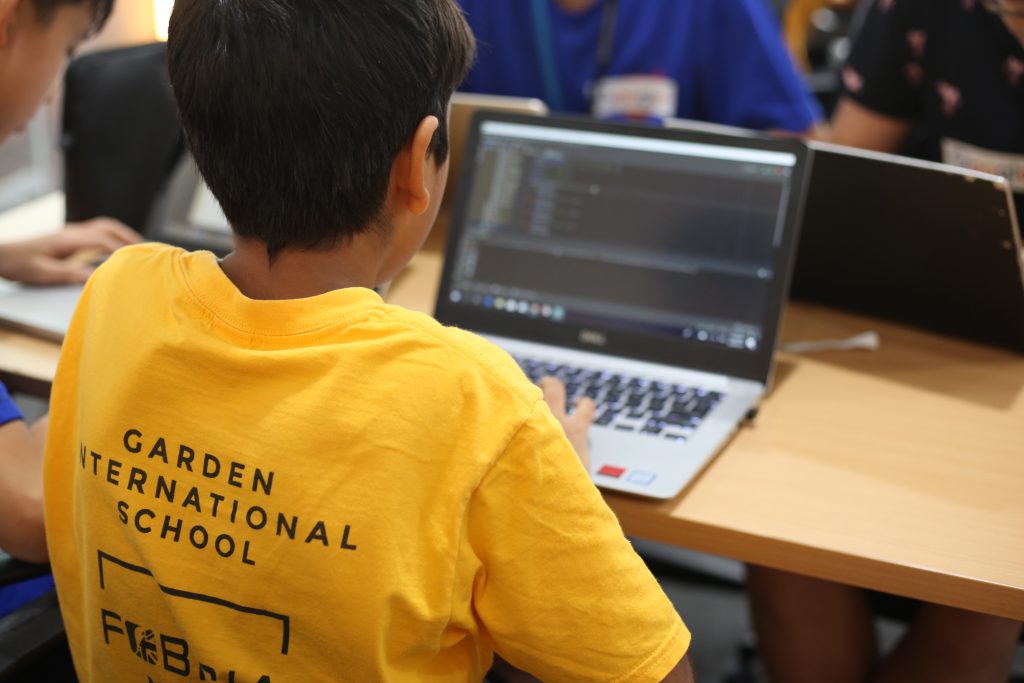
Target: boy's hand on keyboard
{"points": [[575, 425]]}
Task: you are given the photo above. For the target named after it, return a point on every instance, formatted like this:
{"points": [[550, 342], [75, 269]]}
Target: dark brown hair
{"points": [[295, 110]]}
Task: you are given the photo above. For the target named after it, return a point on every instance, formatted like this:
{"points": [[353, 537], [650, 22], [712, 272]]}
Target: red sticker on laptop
{"points": [[610, 471]]}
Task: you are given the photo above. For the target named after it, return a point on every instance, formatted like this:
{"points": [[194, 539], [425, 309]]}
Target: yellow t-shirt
{"points": [[326, 489]]}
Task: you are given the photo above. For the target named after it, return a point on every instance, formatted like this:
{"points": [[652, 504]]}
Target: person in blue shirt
{"points": [[721, 61], [20, 486]]}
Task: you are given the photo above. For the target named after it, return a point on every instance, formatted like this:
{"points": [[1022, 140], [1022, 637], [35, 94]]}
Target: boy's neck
{"points": [[295, 274]]}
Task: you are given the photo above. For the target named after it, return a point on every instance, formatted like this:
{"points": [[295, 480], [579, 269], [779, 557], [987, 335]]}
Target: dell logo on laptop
{"points": [[593, 338]]}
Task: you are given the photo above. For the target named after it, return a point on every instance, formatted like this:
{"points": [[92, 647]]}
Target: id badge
{"points": [[1010, 166], [636, 97]]}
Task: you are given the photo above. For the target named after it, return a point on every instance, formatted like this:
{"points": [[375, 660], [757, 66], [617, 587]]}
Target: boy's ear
{"points": [[8, 10], [411, 172]]}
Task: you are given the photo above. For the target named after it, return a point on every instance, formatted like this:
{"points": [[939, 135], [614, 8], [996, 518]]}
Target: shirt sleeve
{"points": [[748, 77], [9, 412], [560, 591], [884, 70]]}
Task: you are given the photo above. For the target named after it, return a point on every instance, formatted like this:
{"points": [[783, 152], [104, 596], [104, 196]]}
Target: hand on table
{"points": [[50, 259]]}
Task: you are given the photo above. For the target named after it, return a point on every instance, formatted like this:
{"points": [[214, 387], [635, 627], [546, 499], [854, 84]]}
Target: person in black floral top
{"points": [[942, 80]]}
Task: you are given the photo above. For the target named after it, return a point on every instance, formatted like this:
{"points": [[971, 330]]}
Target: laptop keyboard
{"points": [[627, 403]]}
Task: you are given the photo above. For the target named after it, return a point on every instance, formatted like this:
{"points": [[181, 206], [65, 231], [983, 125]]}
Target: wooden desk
{"points": [[900, 470], [27, 363]]}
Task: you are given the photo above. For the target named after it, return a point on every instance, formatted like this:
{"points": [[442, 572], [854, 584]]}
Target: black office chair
{"points": [[829, 36], [32, 642], [121, 136], [829, 46]]}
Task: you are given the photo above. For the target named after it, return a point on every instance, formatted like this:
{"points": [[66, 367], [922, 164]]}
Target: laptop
{"points": [[925, 244], [708, 127], [188, 216], [464, 107], [40, 311], [644, 267]]}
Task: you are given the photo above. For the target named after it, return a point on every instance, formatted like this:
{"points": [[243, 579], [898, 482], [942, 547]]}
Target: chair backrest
{"points": [[121, 136]]}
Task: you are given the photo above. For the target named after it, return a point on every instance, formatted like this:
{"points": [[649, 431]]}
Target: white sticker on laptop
{"points": [[1010, 166]]}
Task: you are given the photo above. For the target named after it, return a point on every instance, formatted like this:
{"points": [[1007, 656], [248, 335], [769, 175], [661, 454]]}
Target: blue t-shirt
{"points": [[19, 594], [726, 56], [9, 412], [13, 597]]}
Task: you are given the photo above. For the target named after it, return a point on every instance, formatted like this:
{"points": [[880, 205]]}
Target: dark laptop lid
{"points": [[189, 216], [920, 243], [662, 245]]}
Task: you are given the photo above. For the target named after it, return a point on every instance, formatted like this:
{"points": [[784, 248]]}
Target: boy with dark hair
{"points": [[36, 37], [258, 471]]}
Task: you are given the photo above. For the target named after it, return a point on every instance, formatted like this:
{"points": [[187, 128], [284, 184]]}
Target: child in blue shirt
{"points": [[721, 61]]}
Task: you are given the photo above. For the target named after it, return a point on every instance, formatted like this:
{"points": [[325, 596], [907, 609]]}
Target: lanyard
{"points": [[544, 40]]}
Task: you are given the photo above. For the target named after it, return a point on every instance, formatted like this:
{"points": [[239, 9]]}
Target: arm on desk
{"points": [[855, 125], [49, 260], [22, 533], [683, 673]]}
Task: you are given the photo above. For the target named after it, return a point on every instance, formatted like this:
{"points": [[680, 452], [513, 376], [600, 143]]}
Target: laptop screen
{"points": [[622, 234], [205, 212], [940, 242], [189, 215]]}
